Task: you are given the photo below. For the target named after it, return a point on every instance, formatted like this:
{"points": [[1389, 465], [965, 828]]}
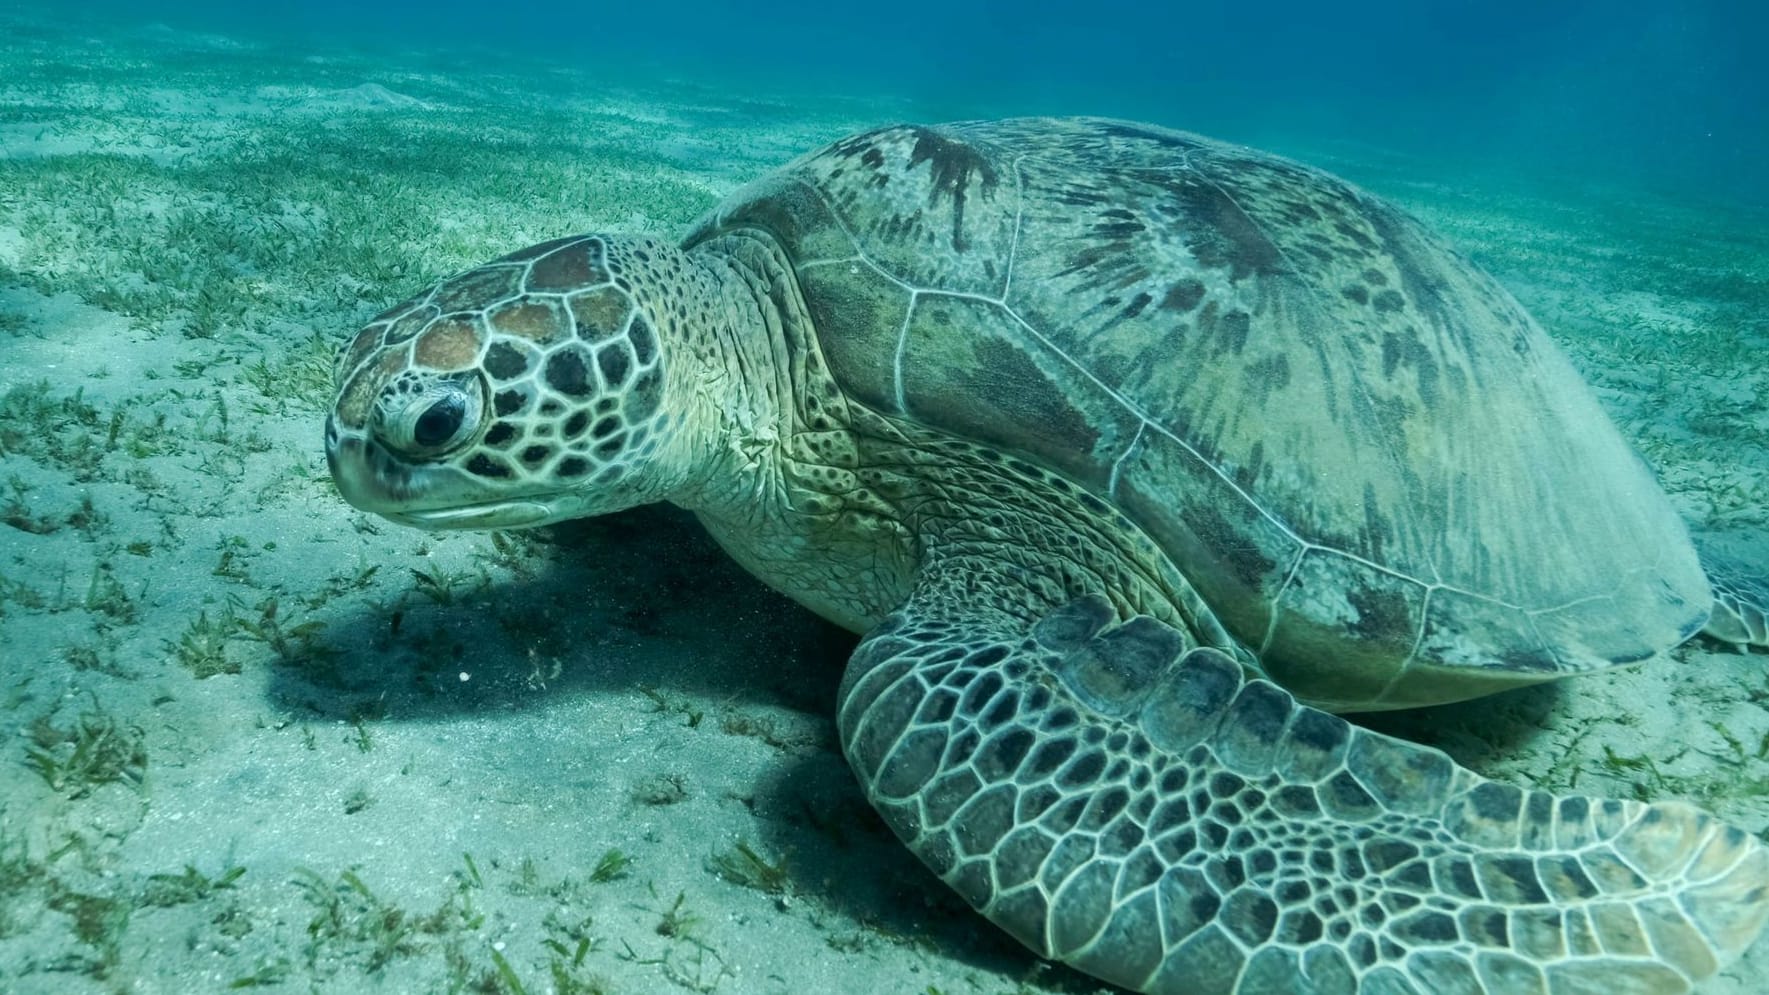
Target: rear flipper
{"points": [[1158, 821]]}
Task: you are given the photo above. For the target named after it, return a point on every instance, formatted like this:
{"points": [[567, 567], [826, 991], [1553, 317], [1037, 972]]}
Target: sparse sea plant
{"points": [[741, 864], [92, 750], [612, 865], [202, 647]]}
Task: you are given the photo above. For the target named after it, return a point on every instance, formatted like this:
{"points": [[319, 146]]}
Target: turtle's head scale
{"points": [[529, 390]]}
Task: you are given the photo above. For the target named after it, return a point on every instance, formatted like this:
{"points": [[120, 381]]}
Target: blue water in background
{"points": [[1670, 95]]}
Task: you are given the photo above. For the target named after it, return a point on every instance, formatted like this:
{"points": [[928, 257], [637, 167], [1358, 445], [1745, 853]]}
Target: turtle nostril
{"points": [[439, 422]]}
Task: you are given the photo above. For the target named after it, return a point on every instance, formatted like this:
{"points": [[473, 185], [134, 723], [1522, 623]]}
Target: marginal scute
{"points": [[871, 310], [1364, 618], [1234, 554]]}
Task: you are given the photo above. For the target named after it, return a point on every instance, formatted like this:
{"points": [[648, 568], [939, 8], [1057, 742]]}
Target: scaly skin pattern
{"points": [[1049, 708], [1150, 817]]}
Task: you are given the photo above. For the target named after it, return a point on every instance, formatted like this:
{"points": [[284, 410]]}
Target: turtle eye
{"points": [[434, 421], [440, 421]]}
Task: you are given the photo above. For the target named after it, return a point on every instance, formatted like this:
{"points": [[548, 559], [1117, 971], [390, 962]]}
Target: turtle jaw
{"points": [[493, 515], [428, 496]]}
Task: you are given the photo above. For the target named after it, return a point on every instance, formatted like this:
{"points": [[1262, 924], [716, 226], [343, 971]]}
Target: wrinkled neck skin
{"points": [[773, 482], [736, 388]]}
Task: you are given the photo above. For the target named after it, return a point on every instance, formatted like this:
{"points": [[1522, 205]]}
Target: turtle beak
{"points": [[333, 443], [367, 478], [348, 458]]}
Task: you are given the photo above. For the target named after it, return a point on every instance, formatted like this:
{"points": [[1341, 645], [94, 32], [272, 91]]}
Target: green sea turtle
{"points": [[1090, 428]]}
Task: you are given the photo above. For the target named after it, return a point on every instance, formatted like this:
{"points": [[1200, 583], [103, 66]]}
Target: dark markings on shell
{"points": [[1217, 292], [1268, 375], [1227, 332], [1183, 296], [1377, 532], [1382, 613], [1409, 352], [1243, 560], [952, 163], [1247, 474], [1225, 237], [1134, 307], [1527, 658], [1416, 260], [1116, 223]]}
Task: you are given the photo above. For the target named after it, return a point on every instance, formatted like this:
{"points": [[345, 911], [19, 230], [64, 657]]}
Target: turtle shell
{"points": [[1371, 463]]}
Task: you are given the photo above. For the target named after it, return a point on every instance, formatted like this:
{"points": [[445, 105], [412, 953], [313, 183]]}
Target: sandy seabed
{"points": [[254, 739]]}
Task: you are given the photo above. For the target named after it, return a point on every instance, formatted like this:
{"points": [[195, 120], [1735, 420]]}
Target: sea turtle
{"points": [[1133, 456]]}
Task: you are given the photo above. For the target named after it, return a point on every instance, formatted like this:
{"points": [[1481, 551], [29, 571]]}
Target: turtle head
{"points": [[526, 391]]}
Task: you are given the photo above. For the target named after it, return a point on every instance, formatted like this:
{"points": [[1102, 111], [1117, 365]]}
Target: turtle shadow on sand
{"points": [[692, 625], [603, 605]]}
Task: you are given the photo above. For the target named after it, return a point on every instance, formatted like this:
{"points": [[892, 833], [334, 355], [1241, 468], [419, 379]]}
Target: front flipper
{"points": [[1156, 820], [1741, 603]]}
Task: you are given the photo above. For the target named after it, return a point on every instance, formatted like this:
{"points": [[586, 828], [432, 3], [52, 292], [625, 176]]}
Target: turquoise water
{"points": [[1673, 94]]}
